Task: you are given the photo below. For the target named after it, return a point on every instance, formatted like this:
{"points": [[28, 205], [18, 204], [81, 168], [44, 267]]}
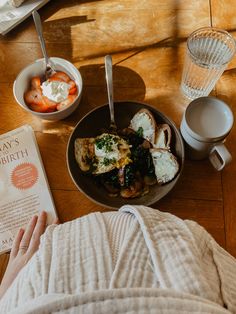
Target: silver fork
{"points": [[49, 71]]}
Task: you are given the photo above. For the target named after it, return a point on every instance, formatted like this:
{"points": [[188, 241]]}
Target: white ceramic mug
{"points": [[205, 125]]}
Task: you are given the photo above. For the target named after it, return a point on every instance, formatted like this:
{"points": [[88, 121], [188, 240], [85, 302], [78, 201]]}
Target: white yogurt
{"points": [[55, 90]]}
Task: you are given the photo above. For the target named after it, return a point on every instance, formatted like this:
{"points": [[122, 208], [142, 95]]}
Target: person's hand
{"points": [[25, 244]]}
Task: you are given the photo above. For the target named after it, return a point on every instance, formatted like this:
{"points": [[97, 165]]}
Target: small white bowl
{"points": [[22, 84]]}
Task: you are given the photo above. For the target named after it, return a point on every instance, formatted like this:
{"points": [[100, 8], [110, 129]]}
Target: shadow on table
{"points": [[128, 85]]}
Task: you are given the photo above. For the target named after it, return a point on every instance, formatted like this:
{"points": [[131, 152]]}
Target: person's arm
{"points": [[25, 244]]}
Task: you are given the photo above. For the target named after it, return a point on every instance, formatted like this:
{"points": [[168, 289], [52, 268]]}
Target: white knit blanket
{"points": [[165, 265]]}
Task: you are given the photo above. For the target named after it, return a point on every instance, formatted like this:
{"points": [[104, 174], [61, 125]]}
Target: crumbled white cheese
{"points": [[166, 165], [55, 90], [143, 121]]}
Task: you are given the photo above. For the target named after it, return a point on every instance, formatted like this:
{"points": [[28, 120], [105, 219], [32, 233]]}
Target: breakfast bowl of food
{"points": [[137, 164], [52, 98]]}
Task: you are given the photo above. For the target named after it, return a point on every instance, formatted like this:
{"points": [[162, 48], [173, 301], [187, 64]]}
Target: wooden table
{"points": [[147, 41]]}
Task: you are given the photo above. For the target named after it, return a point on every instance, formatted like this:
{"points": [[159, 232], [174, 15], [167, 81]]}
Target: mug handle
{"points": [[219, 156]]}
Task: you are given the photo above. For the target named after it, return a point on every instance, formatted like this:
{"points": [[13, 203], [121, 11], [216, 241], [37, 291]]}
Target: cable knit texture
{"points": [[135, 260]]}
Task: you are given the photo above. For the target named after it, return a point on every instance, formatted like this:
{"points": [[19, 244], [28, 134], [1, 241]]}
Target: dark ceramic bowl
{"points": [[90, 126]]}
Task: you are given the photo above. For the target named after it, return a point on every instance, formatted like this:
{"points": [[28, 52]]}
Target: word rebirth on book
{"points": [[13, 156], [6, 156]]}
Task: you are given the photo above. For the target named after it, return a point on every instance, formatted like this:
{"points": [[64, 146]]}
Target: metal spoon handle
{"points": [[109, 80], [38, 26]]}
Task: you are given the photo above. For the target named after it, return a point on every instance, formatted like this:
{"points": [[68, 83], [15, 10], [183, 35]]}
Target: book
{"points": [[10, 16], [24, 188]]}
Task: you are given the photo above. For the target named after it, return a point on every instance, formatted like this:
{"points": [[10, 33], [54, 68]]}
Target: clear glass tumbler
{"points": [[209, 50]]}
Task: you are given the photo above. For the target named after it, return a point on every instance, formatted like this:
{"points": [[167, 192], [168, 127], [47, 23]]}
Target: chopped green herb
{"points": [[106, 142], [108, 161], [129, 175], [110, 178], [140, 132]]}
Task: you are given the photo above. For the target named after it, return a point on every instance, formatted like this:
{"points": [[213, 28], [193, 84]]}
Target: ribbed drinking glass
{"points": [[208, 52]]}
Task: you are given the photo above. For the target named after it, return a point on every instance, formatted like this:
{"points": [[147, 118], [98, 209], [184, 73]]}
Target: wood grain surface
{"points": [[147, 41]]}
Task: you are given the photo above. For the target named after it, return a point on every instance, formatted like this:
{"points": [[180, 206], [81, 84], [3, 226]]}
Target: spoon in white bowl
{"points": [[49, 71], [109, 80]]}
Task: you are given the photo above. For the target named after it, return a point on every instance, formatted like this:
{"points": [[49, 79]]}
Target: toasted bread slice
{"points": [[84, 152], [165, 164], [144, 121], [163, 136]]}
